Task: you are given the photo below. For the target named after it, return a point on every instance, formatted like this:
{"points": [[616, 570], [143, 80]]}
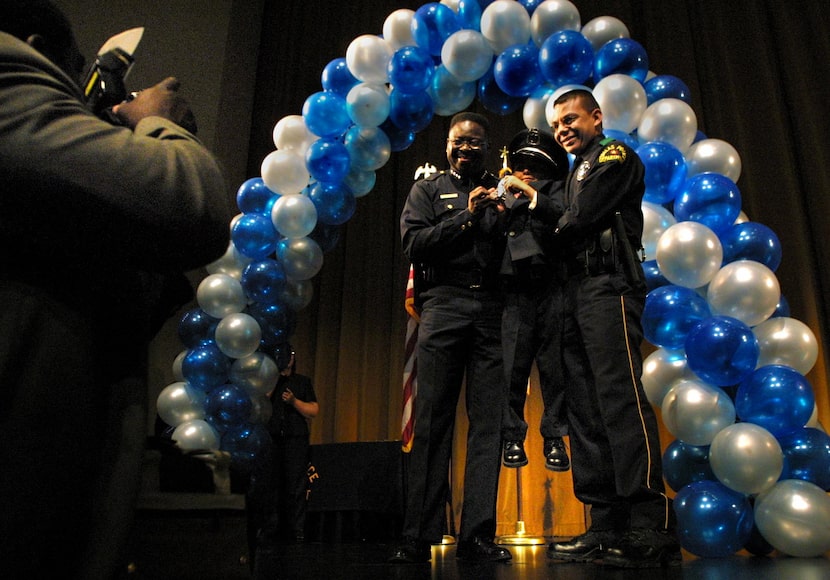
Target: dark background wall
{"points": [[757, 71]]}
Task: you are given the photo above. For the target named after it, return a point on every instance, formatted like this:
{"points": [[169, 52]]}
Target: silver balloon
{"points": [[622, 100], [294, 216], [367, 58], [220, 295], [257, 373], [656, 220], [505, 23], [301, 258], [397, 28], [552, 16], [177, 365], [786, 341], [178, 403], [297, 294], [231, 263], [196, 435], [467, 55], [669, 120], [284, 172], [715, 156], [695, 412], [292, 134], [238, 335], [604, 28], [689, 254], [794, 517], [368, 105], [261, 409], [661, 370], [746, 457], [746, 290], [533, 113]]}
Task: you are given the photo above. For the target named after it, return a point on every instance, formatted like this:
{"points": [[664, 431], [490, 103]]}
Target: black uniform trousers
{"points": [[459, 334], [616, 456], [531, 330]]}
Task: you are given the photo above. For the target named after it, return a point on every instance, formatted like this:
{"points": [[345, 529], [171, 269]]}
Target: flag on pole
{"points": [[410, 367]]}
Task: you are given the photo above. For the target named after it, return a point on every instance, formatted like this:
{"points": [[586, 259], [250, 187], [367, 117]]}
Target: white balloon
{"points": [[238, 335], [786, 341], [219, 295], [695, 412], [794, 517], [623, 102], [367, 58], [533, 113], [284, 172], [177, 365], [746, 290], [552, 16], [178, 403], [292, 134], [397, 28], [231, 263], [297, 294], [257, 373], [467, 55], [367, 104], [670, 120], [714, 156], [661, 370], [301, 258], [746, 457], [505, 23], [196, 435], [603, 29], [689, 254], [294, 216], [656, 220]]}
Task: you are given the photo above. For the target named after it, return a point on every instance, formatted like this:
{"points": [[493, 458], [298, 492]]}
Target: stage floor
{"points": [[368, 562]]}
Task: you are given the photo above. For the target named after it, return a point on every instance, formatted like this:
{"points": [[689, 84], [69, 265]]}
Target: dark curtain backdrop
{"points": [[757, 71]]}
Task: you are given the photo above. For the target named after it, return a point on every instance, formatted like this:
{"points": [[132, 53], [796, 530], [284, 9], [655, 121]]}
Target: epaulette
{"points": [[425, 171]]}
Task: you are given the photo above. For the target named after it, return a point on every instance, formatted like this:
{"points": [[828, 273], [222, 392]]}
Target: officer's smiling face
{"points": [[574, 125], [467, 148]]}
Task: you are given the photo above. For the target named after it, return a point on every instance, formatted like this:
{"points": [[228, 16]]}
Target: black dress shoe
{"points": [[411, 552], [514, 454], [481, 550], [644, 548], [588, 547], [556, 456]]}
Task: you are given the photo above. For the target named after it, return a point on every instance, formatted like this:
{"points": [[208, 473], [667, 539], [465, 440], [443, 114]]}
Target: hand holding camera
{"points": [[161, 100]]}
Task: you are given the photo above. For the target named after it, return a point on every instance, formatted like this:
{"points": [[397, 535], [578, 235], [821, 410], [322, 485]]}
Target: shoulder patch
{"points": [[611, 153]]}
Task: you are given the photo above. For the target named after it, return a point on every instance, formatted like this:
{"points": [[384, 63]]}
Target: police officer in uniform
{"points": [[613, 430], [452, 233], [530, 327]]}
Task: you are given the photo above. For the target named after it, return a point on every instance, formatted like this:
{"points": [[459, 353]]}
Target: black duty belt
{"points": [[473, 279]]}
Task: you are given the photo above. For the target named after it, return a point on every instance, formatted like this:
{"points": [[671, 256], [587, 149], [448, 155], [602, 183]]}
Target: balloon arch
{"points": [[728, 370]]}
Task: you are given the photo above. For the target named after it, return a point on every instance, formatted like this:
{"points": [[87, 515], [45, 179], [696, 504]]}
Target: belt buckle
{"points": [[478, 283]]}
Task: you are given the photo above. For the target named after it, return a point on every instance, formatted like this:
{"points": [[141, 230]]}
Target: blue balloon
{"points": [[361, 182], [334, 202], [450, 95], [722, 350], [713, 521], [326, 115], [669, 314], [621, 56], [326, 236], [368, 147], [516, 70], [776, 397], [807, 456], [205, 366], [410, 69], [530, 5], [327, 160], [654, 278], [253, 196], [227, 406], [196, 326], [248, 444], [684, 464], [666, 87], [751, 241], [410, 112], [254, 236], [566, 57], [263, 281], [665, 171], [629, 139], [399, 139], [782, 309], [493, 98], [276, 321], [711, 199], [432, 24], [337, 78], [469, 14]]}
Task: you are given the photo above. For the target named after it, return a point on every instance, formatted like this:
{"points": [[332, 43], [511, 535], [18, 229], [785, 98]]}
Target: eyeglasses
{"points": [[472, 143]]}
